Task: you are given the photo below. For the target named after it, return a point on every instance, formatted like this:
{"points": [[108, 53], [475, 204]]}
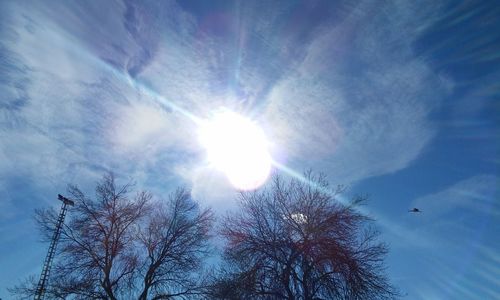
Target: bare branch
{"points": [[294, 240]]}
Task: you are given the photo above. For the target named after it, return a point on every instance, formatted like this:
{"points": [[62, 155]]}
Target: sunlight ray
{"points": [[198, 121], [74, 46]]}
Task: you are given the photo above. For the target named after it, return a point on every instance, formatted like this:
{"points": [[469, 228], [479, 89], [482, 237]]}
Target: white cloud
{"points": [[51, 136], [453, 241], [478, 194], [352, 105], [447, 216], [212, 188], [358, 104], [147, 128]]}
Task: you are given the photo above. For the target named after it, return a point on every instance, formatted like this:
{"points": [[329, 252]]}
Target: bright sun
{"points": [[238, 147]]}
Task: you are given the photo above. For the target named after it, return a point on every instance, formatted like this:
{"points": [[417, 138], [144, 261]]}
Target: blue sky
{"points": [[398, 100]]}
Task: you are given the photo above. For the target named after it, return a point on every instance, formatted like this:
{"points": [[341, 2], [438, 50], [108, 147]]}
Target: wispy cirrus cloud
{"points": [[358, 104], [358, 113], [478, 194], [451, 241]]}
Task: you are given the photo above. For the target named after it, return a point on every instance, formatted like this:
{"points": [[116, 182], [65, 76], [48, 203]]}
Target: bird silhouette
{"points": [[414, 210]]}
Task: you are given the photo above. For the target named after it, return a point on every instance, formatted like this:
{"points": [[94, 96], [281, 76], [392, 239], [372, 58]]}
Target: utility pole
{"points": [[44, 277]]}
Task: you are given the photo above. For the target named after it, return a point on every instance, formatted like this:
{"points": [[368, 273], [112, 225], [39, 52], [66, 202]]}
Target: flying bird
{"points": [[414, 210]]}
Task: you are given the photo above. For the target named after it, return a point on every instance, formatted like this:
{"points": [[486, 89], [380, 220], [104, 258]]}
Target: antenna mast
{"points": [[44, 277]]}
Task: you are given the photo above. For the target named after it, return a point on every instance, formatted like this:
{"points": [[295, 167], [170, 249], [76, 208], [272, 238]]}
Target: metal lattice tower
{"points": [[44, 277]]}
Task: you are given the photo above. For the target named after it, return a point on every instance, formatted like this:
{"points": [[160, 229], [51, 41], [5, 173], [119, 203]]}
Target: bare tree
{"points": [[116, 247], [96, 255], [295, 240], [175, 243]]}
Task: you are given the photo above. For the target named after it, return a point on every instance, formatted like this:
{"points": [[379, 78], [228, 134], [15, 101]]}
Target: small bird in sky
{"points": [[414, 210]]}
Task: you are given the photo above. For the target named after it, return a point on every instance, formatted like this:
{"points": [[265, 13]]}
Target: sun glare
{"points": [[238, 147]]}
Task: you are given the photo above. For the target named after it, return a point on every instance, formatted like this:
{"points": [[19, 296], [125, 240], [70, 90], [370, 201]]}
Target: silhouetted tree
{"points": [[116, 247], [175, 244], [296, 240]]}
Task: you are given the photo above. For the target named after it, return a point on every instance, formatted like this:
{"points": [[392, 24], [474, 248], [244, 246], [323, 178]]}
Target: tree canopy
{"points": [[118, 246], [296, 240], [293, 239]]}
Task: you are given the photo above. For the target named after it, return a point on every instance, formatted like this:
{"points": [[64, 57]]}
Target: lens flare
{"points": [[238, 147]]}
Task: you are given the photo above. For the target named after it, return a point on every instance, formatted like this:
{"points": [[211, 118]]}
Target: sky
{"points": [[398, 100]]}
